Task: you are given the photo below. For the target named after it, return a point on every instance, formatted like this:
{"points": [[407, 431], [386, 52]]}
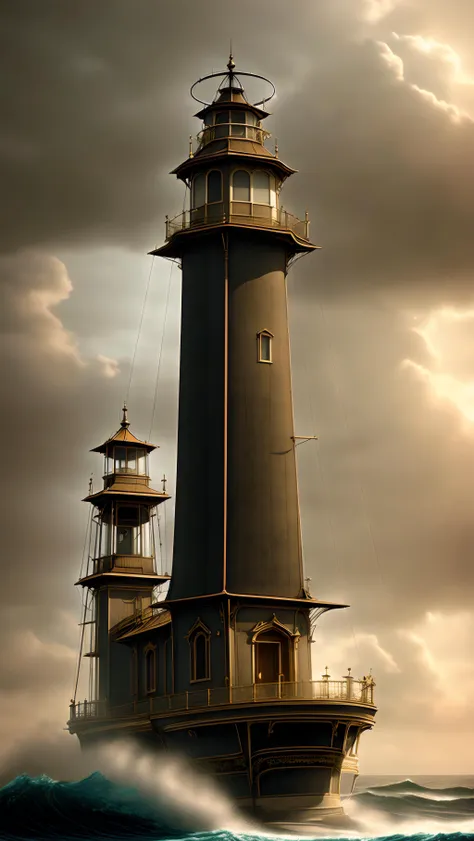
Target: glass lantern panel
{"points": [[241, 186], [131, 460], [261, 187], [237, 119], [120, 459], [222, 117], [105, 532], [251, 118], [128, 530], [146, 549], [142, 463]]}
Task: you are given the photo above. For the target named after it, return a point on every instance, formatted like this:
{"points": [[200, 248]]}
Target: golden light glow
{"points": [[448, 335]]}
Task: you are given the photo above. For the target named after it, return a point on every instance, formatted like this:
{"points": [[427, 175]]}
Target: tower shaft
{"points": [[237, 519]]}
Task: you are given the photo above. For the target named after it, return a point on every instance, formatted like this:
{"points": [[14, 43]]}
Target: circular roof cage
{"points": [[229, 78]]}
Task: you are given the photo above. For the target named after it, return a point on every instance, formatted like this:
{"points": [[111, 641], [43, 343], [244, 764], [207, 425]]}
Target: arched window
{"points": [[199, 190], [274, 653], [214, 186], [199, 639], [150, 669], [241, 185]]}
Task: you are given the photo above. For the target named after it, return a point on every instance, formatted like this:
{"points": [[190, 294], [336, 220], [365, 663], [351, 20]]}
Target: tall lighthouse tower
{"points": [[237, 523], [222, 667]]}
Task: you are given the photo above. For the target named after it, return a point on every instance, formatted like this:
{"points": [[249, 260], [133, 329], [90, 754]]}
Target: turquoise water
{"points": [[162, 807]]}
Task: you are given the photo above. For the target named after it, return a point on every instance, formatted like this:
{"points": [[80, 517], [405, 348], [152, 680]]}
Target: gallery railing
{"points": [[137, 563], [234, 130], [349, 690], [238, 213]]}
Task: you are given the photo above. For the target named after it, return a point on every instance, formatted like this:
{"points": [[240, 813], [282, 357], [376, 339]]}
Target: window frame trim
{"points": [[206, 173], [250, 173], [199, 629], [268, 334]]}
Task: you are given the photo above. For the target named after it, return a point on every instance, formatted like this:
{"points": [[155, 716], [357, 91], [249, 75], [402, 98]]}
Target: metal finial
{"points": [[349, 670], [231, 63], [125, 421], [276, 147], [191, 153], [163, 482], [91, 484]]}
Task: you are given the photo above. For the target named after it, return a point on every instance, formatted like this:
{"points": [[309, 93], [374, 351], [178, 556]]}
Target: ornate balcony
{"points": [[348, 690], [240, 213], [234, 130]]}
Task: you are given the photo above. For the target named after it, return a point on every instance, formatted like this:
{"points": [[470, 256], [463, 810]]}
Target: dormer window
{"points": [[264, 346]]}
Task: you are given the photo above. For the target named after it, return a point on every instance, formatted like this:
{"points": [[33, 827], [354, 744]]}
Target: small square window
{"points": [[265, 346]]}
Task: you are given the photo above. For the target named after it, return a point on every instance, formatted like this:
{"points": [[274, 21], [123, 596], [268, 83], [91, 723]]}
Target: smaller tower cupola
{"points": [[123, 540]]}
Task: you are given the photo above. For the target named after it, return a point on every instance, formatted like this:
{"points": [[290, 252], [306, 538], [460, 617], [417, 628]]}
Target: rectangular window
{"points": [[265, 347]]}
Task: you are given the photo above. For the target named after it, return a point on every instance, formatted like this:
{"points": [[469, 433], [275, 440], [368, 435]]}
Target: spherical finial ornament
{"points": [[231, 64]]}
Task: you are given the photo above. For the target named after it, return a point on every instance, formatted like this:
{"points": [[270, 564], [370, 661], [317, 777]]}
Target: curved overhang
{"points": [[127, 578], [217, 157], [236, 104], [180, 240], [141, 494]]}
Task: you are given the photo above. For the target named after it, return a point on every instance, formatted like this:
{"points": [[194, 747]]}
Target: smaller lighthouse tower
{"points": [[122, 568]]}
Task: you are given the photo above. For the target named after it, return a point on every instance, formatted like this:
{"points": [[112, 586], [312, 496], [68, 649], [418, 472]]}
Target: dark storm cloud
{"points": [[96, 102]]}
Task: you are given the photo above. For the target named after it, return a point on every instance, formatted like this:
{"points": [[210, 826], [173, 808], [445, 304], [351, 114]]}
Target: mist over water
{"points": [[136, 795], [192, 799]]}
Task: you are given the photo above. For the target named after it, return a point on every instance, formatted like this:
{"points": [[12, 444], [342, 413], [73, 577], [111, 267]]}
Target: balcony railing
{"points": [[240, 213], [237, 131], [347, 690], [124, 563]]}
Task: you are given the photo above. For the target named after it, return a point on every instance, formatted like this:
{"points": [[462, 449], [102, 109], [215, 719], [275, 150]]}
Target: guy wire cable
{"points": [[140, 325], [160, 354]]}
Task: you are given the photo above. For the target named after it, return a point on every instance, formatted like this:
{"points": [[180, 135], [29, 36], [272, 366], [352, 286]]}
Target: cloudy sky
{"points": [[375, 108]]}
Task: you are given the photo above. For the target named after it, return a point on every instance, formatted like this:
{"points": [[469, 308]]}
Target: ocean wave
{"points": [[97, 807], [409, 787]]}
